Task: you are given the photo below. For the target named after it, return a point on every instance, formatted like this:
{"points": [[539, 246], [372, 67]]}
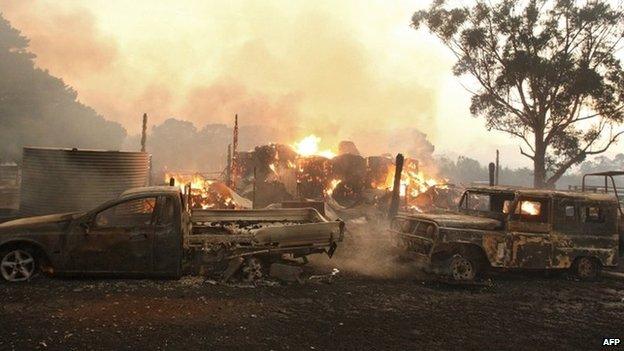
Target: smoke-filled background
{"points": [[39, 109], [340, 70], [82, 73]]}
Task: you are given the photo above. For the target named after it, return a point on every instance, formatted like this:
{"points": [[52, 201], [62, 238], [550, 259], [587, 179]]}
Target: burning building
{"points": [[304, 171], [207, 193]]}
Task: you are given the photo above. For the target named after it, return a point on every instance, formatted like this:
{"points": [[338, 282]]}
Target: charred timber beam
{"points": [[144, 133], [228, 169], [396, 188], [253, 200], [497, 167]]}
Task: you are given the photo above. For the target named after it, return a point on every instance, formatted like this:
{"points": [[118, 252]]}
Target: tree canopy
{"points": [[545, 72], [37, 109]]}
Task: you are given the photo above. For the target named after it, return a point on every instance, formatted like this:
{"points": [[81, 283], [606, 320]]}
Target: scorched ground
{"points": [[355, 312]]}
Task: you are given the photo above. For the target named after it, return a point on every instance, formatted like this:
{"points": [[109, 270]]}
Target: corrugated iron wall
{"points": [[9, 186], [67, 180]]}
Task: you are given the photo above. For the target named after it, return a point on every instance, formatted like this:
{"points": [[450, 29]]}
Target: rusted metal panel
{"points": [[565, 227], [278, 227], [457, 220], [530, 250], [566, 248], [495, 245], [121, 237], [282, 214]]}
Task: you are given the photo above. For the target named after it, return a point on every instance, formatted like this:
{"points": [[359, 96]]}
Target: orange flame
{"points": [[309, 146], [204, 192], [413, 181], [530, 208], [197, 181], [332, 185]]}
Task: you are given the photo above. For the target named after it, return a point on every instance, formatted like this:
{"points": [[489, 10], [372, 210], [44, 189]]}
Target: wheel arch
{"points": [[468, 249], [596, 258], [592, 274], [26, 243], [606, 258]]}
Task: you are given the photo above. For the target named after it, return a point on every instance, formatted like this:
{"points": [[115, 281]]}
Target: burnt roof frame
{"points": [[606, 175]]}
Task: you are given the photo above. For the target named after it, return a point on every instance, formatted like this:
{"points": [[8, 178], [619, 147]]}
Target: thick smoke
{"points": [[323, 68], [182, 146], [68, 40], [37, 109], [369, 249], [178, 145]]}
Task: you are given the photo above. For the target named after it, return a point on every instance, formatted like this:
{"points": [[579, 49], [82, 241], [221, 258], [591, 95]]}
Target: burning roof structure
{"points": [[303, 170], [206, 193]]}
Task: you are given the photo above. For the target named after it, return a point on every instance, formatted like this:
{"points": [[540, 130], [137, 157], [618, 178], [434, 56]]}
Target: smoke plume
{"points": [[38, 109], [338, 70]]}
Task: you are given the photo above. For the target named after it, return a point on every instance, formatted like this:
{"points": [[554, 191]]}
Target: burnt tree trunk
{"points": [[539, 161]]}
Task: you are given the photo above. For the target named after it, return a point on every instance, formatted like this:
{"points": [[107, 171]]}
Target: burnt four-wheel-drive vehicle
{"points": [[150, 232], [517, 229]]}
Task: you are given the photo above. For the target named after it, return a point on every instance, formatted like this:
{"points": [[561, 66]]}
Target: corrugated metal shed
{"points": [[66, 180]]}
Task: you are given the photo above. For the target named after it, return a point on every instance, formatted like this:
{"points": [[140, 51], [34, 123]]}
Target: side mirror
{"points": [[85, 227]]}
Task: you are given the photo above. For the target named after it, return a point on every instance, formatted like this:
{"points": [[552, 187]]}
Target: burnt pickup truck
{"points": [[151, 232], [515, 228]]}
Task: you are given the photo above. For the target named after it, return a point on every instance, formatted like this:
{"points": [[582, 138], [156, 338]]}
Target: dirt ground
{"points": [[509, 311], [374, 303]]}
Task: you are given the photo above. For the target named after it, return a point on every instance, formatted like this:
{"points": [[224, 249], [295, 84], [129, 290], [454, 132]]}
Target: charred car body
{"points": [[150, 232], [516, 228]]}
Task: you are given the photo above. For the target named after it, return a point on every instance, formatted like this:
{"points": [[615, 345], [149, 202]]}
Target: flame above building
{"points": [[305, 170], [413, 181], [206, 193], [310, 146]]}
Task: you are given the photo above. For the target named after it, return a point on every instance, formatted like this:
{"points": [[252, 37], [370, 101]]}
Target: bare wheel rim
{"points": [[585, 267], [253, 269], [462, 269], [17, 266]]}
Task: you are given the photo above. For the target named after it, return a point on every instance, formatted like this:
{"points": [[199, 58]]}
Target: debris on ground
{"points": [[382, 313], [325, 278], [286, 273]]}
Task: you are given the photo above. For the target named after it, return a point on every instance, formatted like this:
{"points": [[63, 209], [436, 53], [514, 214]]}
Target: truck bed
{"points": [[265, 227]]}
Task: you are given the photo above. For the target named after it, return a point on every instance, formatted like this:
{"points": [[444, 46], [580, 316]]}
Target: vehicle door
{"points": [[116, 239], [567, 231], [599, 238], [529, 241], [168, 239]]}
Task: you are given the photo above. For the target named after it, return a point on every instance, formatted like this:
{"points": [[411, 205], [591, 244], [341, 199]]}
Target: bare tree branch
{"points": [[545, 69], [532, 157]]}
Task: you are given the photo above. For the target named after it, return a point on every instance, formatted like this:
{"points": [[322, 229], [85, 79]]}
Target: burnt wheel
{"points": [[17, 265], [253, 269], [462, 268], [587, 268]]}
